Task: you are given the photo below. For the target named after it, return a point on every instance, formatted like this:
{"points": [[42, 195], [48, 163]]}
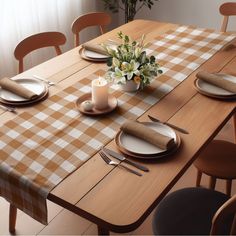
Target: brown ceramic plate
{"points": [[112, 104], [36, 86], [27, 102], [139, 148], [94, 59], [213, 91]]}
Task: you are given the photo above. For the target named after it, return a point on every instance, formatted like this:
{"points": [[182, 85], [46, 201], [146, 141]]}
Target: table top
{"points": [[120, 201]]}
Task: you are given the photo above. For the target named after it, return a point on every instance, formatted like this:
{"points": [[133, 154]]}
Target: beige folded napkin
{"points": [[17, 88], [143, 132], [217, 80], [94, 48]]}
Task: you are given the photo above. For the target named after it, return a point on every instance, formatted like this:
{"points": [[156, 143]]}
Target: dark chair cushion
{"points": [[189, 211]]}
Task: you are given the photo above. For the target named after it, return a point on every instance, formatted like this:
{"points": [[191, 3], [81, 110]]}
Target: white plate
{"points": [[94, 55], [82, 54], [35, 86], [141, 147], [213, 89], [27, 102]]}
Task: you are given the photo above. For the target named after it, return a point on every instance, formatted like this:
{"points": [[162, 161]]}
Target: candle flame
{"points": [[100, 79]]}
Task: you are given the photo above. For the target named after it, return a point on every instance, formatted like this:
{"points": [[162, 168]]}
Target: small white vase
{"points": [[129, 86]]}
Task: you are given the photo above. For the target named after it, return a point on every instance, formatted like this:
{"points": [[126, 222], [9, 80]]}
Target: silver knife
{"points": [[122, 158], [7, 108], [169, 124]]}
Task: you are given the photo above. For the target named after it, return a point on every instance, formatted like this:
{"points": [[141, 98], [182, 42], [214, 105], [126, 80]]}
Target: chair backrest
{"points": [[227, 9], [100, 19], [226, 210], [36, 41]]}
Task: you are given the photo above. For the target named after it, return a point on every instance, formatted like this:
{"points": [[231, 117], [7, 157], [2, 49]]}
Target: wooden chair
{"points": [[12, 218], [227, 9], [195, 211], [218, 160], [36, 41], [100, 19]]}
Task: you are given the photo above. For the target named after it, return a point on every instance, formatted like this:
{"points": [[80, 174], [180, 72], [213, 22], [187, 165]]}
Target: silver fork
{"points": [[114, 163]]}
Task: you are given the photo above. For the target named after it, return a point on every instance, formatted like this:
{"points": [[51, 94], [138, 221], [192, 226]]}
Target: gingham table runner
{"points": [[39, 149]]}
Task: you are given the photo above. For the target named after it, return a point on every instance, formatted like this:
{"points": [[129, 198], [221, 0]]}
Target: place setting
{"points": [[216, 85], [144, 140], [147, 140], [22, 91], [141, 140], [95, 52]]}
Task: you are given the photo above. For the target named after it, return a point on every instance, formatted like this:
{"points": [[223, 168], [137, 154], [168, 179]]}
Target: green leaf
{"points": [[109, 61], [152, 59]]}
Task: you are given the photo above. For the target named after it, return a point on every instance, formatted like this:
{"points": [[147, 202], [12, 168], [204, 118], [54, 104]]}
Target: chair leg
{"points": [[199, 177], [12, 218], [212, 183], [228, 187], [234, 123]]}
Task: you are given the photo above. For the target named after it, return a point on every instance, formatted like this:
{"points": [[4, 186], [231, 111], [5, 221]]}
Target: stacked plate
{"points": [[92, 56], [139, 148], [214, 91], [36, 86]]}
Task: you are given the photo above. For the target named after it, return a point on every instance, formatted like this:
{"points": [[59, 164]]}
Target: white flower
{"points": [[118, 76], [130, 69]]}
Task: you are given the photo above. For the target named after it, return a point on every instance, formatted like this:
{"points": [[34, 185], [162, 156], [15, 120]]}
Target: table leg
{"points": [[102, 231]]}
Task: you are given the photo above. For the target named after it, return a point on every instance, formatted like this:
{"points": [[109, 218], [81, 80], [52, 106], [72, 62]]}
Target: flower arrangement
{"points": [[130, 62]]}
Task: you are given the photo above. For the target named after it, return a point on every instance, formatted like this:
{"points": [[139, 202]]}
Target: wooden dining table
{"points": [[116, 200]]}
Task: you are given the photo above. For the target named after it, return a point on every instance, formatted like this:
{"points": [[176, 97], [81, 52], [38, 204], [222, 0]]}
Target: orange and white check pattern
{"points": [[39, 149]]}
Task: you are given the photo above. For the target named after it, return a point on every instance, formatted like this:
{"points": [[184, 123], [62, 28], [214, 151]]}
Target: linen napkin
{"points": [[143, 132], [217, 80], [17, 88], [94, 48]]}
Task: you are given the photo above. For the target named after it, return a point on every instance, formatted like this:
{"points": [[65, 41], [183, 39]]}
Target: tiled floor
{"points": [[63, 222]]}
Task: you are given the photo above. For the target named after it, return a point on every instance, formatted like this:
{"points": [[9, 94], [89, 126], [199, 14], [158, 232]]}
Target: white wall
{"points": [[202, 13]]}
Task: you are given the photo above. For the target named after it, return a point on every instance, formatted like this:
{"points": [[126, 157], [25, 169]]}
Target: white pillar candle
{"points": [[100, 93]]}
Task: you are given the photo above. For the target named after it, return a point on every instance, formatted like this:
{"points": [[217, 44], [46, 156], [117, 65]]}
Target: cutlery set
{"points": [[114, 163], [124, 159], [105, 152]]}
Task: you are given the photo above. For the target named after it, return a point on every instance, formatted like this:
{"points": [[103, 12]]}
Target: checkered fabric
{"points": [[38, 149]]}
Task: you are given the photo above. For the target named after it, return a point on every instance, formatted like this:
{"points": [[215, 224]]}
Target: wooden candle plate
{"points": [[112, 104]]}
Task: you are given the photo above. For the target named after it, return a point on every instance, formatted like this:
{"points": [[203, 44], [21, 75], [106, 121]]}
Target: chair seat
{"points": [[189, 211], [218, 160]]}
